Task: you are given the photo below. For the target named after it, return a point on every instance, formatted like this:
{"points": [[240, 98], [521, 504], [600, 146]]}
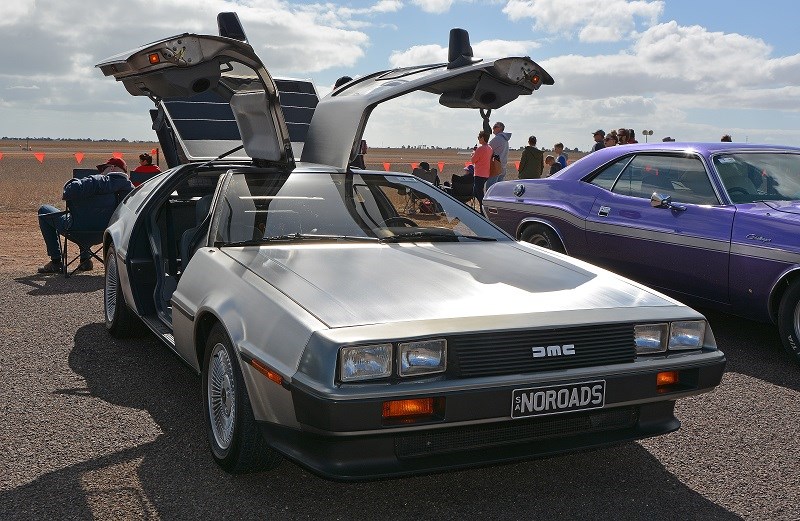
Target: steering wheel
{"points": [[403, 221]]}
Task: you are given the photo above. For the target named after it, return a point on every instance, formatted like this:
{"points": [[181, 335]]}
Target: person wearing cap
{"points": [[112, 177], [531, 163], [145, 170], [499, 144], [599, 137]]}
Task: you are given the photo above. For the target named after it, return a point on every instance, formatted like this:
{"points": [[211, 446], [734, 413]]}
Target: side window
{"points": [[605, 179], [683, 178]]}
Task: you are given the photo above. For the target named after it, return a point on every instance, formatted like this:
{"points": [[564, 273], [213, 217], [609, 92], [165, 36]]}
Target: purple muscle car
{"points": [[714, 224]]}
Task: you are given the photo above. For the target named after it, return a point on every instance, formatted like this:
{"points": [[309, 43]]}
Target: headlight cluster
{"points": [[672, 336], [371, 362]]}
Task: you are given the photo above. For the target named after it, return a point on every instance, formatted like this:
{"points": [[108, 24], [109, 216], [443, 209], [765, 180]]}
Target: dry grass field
{"points": [[26, 183]]}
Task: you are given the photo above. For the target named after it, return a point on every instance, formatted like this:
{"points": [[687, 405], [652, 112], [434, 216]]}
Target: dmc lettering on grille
{"points": [[565, 350]]}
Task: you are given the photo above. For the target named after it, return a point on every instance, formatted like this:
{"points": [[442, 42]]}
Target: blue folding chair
{"points": [[84, 214]]}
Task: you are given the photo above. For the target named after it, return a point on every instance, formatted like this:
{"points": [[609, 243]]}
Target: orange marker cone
{"points": [[79, 157], [441, 166], [1, 155], [516, 163], [386, 166], [467, 163], [118, 155], [414, 166], [39, 156]]}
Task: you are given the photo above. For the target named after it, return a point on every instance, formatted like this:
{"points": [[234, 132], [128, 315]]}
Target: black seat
{"points": [[461, 187], [88, 218], [191, 237]]}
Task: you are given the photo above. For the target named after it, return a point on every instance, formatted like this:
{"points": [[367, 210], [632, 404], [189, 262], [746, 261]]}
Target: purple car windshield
{"points": [[759, 176]]}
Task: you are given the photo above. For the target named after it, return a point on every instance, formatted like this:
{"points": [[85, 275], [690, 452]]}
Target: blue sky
{"points": [[689, 70]]}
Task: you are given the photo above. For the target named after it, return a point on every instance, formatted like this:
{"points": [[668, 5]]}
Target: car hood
{"points": [[426, 281]]}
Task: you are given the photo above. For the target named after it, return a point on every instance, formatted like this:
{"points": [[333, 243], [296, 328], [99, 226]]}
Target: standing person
{"points": [[599, 137], [481, 158], [554, 165], [145, 170], [112, 178], [610, 140], [531, 163], [499, 144], [561, 157], [622, 136], [631, 137]]}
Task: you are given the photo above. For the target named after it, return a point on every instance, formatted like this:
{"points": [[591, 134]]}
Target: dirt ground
{"points": [[30, 178]]}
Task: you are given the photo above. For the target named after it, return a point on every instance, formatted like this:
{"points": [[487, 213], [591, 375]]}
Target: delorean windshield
{"points": [[258, 208]]}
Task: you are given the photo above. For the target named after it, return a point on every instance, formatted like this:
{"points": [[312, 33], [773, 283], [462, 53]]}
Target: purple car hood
{"points": [[359, 284]]}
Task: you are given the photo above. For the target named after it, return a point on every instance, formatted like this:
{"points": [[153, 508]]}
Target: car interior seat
{"points": [[739, 187], [190, 237]]}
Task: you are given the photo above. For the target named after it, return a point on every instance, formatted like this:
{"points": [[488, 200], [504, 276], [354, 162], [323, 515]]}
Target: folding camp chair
{"points": [[83, 230]]}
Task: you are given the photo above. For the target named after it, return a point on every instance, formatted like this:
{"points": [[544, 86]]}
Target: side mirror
{"points": [[658, 200], [230, 26]]}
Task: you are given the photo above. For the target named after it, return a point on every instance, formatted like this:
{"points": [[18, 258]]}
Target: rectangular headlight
{"points": [[650, 338], [423, 357], [687, 334], [365, 362]]}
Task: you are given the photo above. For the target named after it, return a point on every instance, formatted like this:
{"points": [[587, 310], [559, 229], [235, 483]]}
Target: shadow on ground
{"points": [[174, 476], [56, 284]]}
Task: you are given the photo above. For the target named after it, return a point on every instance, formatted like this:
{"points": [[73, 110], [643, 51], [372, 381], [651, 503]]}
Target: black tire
{"points": [[236, 442], [789, 320], [543, 236], [121, 322]]}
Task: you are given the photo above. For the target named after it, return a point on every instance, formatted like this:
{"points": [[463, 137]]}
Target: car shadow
{"points": [[56, 284], [754, 349], [174, 476]]}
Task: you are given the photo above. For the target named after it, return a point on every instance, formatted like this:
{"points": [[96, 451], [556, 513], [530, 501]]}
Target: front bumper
{"points": [[347, 439]]}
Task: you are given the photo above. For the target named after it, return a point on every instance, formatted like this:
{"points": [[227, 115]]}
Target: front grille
{"points": [[510, 353], [519, 431]]}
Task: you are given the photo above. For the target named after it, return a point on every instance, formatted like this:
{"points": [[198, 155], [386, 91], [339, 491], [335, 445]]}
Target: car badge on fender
{"points": [[519, 190]]}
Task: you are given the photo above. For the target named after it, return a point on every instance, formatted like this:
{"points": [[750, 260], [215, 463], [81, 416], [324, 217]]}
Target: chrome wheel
{"points": [[112, 285], [221, 396]]}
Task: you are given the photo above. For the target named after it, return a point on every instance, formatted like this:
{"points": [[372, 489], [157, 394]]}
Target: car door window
{"points": [[608, 176], [683, 178]]}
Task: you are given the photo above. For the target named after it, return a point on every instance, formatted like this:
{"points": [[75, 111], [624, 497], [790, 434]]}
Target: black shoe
{"points": [[86, 265], [51, 267]]}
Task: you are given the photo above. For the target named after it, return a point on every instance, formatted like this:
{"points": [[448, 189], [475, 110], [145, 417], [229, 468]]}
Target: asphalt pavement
{"points": [[97, 428]]}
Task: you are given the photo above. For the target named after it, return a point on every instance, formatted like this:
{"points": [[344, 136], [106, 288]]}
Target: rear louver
{"points": [[512, 353]]}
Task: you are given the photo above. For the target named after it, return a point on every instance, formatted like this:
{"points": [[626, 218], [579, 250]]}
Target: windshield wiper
{"points": [[293, 237], [432, 236]]}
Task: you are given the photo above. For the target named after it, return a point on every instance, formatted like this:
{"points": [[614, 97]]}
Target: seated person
{"points": [[423, 171], [145, 170], [112, 178]]}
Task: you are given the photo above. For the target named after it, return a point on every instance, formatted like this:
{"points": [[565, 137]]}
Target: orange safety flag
{"points": [[386, 166], [154, 152], [441, 166], [1, 155], [467, 163], [79, 157], [118, 155], [414, 166], [39, 156], [516, 164]]}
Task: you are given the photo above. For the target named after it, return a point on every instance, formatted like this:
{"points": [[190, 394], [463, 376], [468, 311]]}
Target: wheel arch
{"points": [[204, 323], [778, 290], [538, 221]]}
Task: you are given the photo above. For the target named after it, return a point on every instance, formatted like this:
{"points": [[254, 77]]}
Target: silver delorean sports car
{"points": [[363, 323]]}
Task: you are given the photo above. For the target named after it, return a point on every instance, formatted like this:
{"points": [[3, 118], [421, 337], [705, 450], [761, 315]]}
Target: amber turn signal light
{"points": [[154, 58], [396, 409], [666, 378], [266, 371]]}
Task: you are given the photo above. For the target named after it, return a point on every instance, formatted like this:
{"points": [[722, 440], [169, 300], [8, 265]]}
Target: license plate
{"points": [[558, 399]]}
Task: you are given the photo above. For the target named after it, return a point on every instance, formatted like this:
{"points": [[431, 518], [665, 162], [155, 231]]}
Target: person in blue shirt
{"points": [[112, 178], [561, 157]]}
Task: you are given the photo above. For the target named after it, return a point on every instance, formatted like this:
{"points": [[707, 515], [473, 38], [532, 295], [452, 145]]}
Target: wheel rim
{"points": [[221, 396], [538, 239], [111, 287], [796, 319]]}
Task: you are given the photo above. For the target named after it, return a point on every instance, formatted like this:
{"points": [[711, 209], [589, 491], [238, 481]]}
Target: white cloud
{"points": [[595, 21], [433, 6], [14, 12], [422, 54]]}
